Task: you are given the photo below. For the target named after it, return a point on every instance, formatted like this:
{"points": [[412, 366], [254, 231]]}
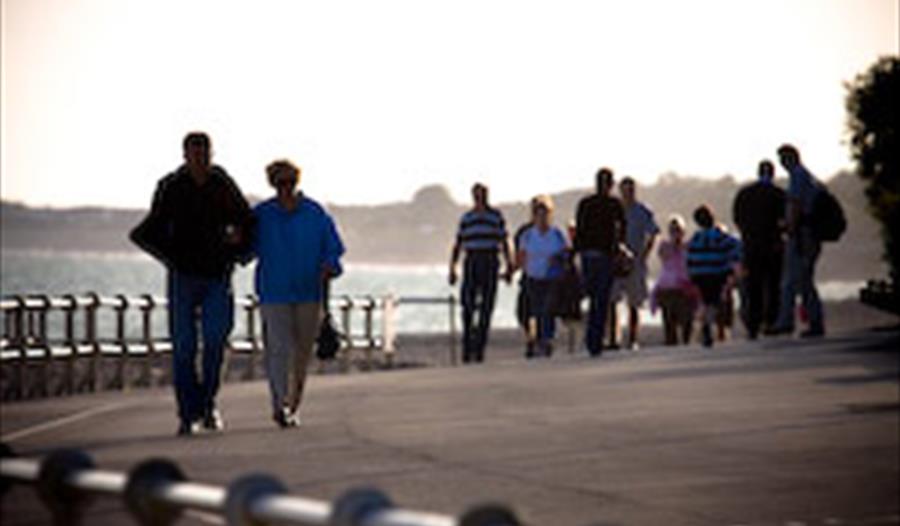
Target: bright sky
{"points": [[376, 98]]}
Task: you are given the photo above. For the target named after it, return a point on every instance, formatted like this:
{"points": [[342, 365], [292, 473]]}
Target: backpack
{"points": [[827, 218]]}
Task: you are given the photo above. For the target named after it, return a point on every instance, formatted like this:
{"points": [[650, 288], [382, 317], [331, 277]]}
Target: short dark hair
{"points": [[766, 164], [196, 139], [604, 177], [627, 180], [704, 216], [789, 151]]}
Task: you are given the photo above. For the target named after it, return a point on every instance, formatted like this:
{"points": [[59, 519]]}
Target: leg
{"points": [[613, 328], [598, 279], [789, 279], [277, 335], [633, 322], [755, 288], [488, 293], [307, 318], [810, 293], [771, 286], [218, 319], [183, 327], [467, 299]]}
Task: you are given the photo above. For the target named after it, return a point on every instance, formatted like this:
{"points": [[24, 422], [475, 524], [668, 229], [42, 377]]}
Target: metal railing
{"points": [[156, 492], [69, 344]]}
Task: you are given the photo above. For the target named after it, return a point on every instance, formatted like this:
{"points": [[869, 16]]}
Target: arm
{"points": [[332, 251], [510, 264], [152, 234], [454, 258]]}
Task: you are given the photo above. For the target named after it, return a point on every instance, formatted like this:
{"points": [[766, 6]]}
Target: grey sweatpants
{"points": [[289, 332]]}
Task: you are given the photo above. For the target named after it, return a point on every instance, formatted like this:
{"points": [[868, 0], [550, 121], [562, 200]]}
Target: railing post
{"points": [[451, 300], [90, 336], [388, 330], [346, 324], [20, 342], [69, 306], [147, 306], [42, 385], [368, 311], [121, 308]]}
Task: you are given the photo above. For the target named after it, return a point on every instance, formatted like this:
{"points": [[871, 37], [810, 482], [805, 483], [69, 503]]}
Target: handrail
{"points": [[156, 492]]}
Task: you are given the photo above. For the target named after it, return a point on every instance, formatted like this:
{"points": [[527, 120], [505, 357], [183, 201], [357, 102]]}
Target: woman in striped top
{"points": [[713, 259]]}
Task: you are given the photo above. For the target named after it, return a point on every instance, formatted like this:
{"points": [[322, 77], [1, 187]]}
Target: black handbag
{"points": [[328, 343]]}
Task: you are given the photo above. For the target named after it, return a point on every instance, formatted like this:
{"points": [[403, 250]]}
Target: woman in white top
{"points": [[541, 255]]}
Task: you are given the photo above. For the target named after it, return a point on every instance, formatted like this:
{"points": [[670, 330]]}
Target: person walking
{"points": [[481, 234], [599, 228], [674, 293], [802, 248], [758, 212], [198, 226], [542, 254], [711, 260], [298, 250], [640, 236], [522, 309]]}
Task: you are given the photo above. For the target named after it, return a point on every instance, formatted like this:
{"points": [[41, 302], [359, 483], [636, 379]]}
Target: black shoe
{"points": [[186, 428], [212, 420], [280, 417]]}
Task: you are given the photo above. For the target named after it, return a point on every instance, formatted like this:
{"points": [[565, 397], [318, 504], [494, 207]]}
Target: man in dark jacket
{"points": [[758, 213], [599, 229], [198, 225]]}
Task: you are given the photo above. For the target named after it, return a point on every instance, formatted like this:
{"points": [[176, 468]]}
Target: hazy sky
{"points": [[377, 98]]}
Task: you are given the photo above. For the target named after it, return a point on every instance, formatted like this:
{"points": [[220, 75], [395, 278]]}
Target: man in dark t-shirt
{"points": [[599, 228], [758, 212]]}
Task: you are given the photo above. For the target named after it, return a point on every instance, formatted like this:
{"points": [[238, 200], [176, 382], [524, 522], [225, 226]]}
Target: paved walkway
{"points": [[774, 432]]}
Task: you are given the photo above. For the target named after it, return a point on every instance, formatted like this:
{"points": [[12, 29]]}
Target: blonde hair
{"points": [[282, 166], [544, 200], [677, 220]]}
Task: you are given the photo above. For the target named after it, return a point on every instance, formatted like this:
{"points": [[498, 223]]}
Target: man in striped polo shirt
{"points": [[482, 233]]}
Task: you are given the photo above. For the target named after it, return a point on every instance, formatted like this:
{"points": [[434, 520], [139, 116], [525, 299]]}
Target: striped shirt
{"points": [[481, 230], [712, 252]]}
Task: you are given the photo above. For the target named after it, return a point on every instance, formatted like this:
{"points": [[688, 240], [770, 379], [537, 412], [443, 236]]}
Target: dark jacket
{"points": [[599, 224], [756, 211], [188, 224]]}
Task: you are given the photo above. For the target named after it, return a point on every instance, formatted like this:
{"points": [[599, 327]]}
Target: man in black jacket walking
{"points": [[198, 225], [758, 212]]}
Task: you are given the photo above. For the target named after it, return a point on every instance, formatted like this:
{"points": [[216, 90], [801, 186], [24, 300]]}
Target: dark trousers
{"points": [[762, 287], [479, 291], [212, 296], [542, 300], [597, 272]]}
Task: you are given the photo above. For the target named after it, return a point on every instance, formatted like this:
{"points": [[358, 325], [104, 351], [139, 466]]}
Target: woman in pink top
{"points": [[674, 293]]}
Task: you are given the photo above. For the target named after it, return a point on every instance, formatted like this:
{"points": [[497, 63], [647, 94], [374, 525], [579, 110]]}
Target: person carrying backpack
{"points": [[804, 217]]}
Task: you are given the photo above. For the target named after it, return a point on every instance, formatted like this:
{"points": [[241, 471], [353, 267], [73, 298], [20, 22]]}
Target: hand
{"points": [[326, 273], [507, 276], [233, 235], [452, 277]]}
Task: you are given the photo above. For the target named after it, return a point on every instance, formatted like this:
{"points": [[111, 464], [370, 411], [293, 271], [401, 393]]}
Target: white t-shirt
{"points": [[540, 250]]}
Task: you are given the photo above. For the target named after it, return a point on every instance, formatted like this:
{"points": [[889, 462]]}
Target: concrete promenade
{"points": [[781, 431]]}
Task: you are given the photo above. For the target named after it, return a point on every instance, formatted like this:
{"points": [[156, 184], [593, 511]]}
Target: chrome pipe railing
{"points": [[156, 492]]}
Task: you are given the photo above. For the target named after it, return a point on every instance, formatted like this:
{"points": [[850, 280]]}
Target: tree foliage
{"points": [[873, 107]]}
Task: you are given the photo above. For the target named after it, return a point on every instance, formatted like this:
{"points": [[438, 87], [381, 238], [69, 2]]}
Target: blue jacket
{"points": [[712, 252], [292, 249]]}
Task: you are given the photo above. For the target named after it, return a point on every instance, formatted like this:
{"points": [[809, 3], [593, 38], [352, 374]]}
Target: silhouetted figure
{"points": [[758, 212], [482, 233], [298, 250], [711, 260], [199, 224], [674, 293], [802, 248], [522, 308], [542, 254], [640, 235], [599, 228]]}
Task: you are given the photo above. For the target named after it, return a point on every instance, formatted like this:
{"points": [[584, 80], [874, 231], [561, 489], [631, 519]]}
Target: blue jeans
{"points": [[597, 274], [479, 291], [800, 257], [541, 301], [213, 298]]}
